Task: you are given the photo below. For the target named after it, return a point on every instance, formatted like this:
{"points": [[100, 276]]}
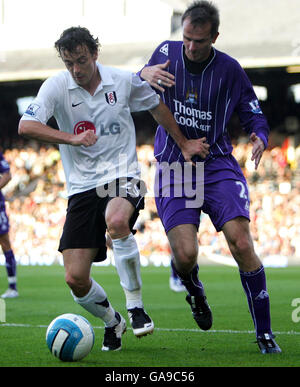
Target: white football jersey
{"points": [[107, 113]]}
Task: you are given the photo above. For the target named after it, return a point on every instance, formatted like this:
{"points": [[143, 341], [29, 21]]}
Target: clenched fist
{"points": [[86, 138]]}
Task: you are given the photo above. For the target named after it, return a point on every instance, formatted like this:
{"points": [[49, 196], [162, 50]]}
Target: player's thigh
{"points": [[117, 216], [119, 209], [85, 226], [183, 242], [226, 200], [173, 212]]}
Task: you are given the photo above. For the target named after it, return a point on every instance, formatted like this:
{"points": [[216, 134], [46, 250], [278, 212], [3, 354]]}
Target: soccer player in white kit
{"points": [[92, 105]]}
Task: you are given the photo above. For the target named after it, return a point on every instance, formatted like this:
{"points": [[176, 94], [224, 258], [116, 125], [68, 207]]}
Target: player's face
{"points": [[82, 65], [197, 40]]}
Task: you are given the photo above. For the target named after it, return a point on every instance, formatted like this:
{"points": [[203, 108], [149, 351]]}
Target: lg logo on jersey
{"points": [[113, 129], [82, 126]]}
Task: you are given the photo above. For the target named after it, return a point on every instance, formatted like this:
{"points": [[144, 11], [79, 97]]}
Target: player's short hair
{"points": [[73, 37], [201, 12]]}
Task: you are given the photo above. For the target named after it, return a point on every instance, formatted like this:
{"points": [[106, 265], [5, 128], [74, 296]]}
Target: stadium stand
{"points": [[270, 53], [37, 203]]}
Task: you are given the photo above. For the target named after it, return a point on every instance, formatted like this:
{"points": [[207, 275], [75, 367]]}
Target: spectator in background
{"points": [[37, 201], [10, 261]]}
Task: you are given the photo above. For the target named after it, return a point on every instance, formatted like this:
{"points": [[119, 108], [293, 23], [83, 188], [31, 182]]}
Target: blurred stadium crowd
{"points": [[37, 199]]}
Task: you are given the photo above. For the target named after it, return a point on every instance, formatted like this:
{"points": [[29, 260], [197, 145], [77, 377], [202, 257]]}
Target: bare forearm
{"points": [[44, 133], [164, 117], [189, 147]]}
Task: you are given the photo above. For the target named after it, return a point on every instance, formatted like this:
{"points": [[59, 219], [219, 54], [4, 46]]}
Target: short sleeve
{"points": [[142, 96], [42, 107]]}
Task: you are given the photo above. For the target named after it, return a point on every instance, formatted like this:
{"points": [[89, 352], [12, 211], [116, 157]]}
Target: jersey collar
{"points": [[106, 79]]}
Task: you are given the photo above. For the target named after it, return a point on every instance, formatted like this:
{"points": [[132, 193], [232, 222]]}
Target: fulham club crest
{"points": [[111, 98]]}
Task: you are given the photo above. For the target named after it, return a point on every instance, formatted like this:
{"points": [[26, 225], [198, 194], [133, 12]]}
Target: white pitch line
{"points": [[2, 325]]}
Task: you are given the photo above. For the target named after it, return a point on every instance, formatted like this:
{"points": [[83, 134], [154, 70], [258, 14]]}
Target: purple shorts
{"points": [[4, 223], [223, 201]]}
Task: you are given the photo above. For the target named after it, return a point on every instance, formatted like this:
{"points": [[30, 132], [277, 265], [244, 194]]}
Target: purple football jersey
{"points": [[202, 106]]}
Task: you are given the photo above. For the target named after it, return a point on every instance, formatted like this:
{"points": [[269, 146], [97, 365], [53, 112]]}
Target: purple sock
{"points": [[254, 284], [191, 281], [11, 268]]}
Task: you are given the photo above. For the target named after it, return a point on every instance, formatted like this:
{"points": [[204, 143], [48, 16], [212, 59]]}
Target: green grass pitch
{"points": [[176, 342]]}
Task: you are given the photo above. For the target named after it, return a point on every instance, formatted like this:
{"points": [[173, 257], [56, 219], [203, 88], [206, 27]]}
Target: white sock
{"points": [[97, 304], [133, 299], [127, 260]]}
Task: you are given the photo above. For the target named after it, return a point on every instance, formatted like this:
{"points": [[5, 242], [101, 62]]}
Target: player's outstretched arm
{"points": [[45, 133], [189, 148], [157, 76]]}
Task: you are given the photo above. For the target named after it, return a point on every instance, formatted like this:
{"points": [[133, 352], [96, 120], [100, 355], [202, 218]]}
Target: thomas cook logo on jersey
{"points": [[255, 108], [111, 98]]}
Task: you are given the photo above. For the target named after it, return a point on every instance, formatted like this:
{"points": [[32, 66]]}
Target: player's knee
{"points": [[71, 281], [242, 247], [185, 257], [245, 245], [117, 226], [77, 284]]}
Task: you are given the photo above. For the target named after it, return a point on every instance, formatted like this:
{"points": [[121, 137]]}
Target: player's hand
{"points": [[258, 148], [86, 138], [195, 147], [158, 77]]}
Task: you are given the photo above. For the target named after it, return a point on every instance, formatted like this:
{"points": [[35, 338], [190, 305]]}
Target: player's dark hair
{"points": [[201, 12], [73, 37]]}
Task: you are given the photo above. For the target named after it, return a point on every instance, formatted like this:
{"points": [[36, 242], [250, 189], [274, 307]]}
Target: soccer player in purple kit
{"points": [[10, 261], [203, 87]]}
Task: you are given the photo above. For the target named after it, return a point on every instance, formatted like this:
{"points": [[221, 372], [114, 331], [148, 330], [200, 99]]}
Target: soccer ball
{"points": [[70, 337]]}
